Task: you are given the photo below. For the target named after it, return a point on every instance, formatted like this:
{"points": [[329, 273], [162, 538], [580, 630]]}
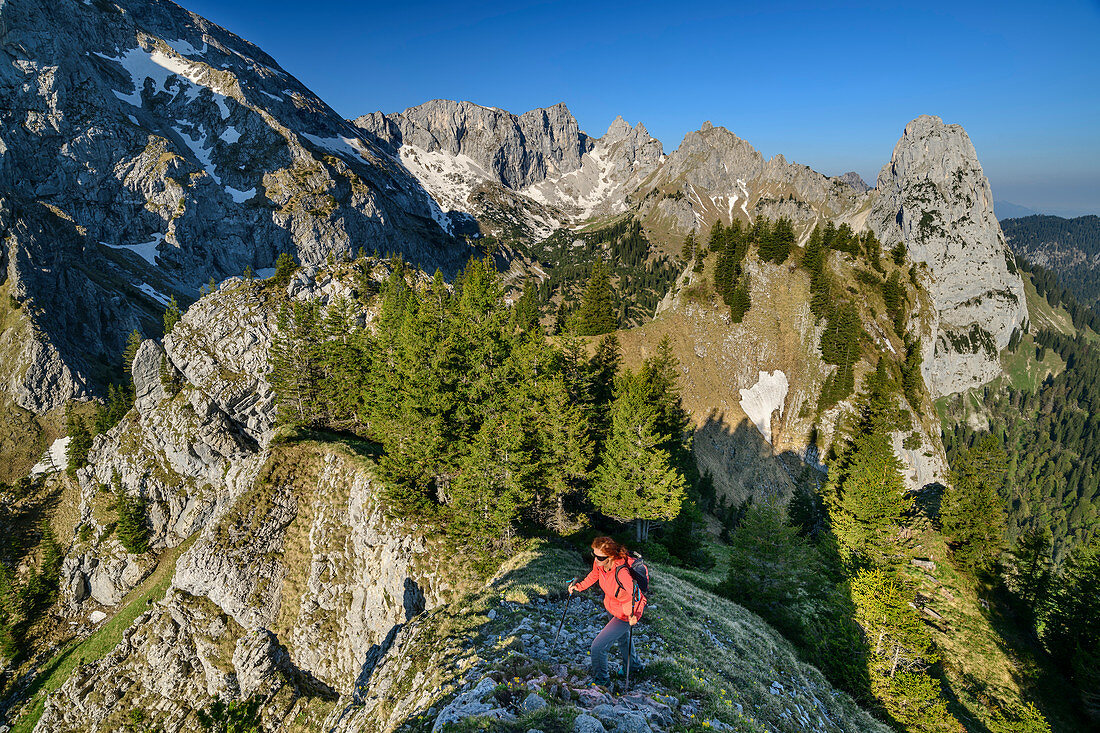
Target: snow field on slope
{"points": [[158, 66], [146, 250], [54, 459], [763, 398]]}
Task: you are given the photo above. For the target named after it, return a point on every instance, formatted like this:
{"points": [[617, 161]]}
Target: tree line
{"points": [[487, 427], [637, 277]]}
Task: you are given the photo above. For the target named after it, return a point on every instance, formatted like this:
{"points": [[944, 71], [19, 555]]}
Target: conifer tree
{"points": [[1029, 569], [602, 369], [897, 254], [172, 315], [80, 442], [865, 495], [912, 383], [741, 299], [773, 571], [893, 294], [132, 530], [597, 310], [636, 480], [133, 341], [1072, 630], [525, 313], [783, 238], [972, 510], [285, 265], [900, 652], [813, 256], [716, 239], [690, 249]]}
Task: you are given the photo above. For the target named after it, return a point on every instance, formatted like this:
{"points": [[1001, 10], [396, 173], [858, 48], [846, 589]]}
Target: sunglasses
{"points": [[601, 558]]}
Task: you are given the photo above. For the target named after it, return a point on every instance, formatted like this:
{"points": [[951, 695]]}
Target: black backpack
{"points": [[639, 572]]}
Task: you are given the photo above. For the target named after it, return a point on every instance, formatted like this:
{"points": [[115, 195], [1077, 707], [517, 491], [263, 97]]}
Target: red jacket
{"points": [[615, 599]]}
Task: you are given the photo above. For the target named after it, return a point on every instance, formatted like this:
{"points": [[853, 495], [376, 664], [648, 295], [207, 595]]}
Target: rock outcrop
{"points": [[934, 198]]}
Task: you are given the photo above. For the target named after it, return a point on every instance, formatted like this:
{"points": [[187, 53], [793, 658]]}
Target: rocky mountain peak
{"points": [[516, 150], [934, 197], [619, 129], [856, 181]]}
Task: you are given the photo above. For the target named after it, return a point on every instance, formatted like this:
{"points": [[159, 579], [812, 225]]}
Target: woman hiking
{"points": [[618, 586]]}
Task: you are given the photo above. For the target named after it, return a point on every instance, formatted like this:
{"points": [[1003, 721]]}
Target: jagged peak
{"points": [[619, 128]]}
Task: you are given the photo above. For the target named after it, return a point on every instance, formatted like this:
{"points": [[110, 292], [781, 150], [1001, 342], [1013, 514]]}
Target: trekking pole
{"points": [[571, 582], [630, 637]]}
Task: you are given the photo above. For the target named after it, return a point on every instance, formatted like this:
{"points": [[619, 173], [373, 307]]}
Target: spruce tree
{"points": [[636, 480], [972, 509], [172, 315], [900, 652], [783, 239], [1072, 630], [80, 442], [285, 265], [597, 310], [865, 495], [1029, 569], [773, 571], [133, 341], [525, 312], [131, 529], [602, 370], [741, 299]]}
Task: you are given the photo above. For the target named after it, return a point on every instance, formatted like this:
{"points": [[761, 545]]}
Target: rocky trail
{"points": [[522, 681]]}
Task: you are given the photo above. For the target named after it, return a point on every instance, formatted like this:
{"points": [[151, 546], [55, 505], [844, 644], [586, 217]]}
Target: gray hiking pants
{"points": [[616, 630]]}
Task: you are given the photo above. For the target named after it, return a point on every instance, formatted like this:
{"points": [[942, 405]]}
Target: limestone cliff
{"points": [[933, 197]]}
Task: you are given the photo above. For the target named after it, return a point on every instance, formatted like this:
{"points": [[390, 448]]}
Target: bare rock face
{"points": [[614, 167], [203, 410], [182, 653], [934, 198], [144, 151], [715, 175], [516, 150]]}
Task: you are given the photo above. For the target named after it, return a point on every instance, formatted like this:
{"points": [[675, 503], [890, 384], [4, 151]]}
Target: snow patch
{"points": [[198, 147], [272, 96], [183, 48], [745, 191], [448, 178], [585, 188], [146, 250], [154, 293], [134, 120], [340, 145], [231, 135], [240, 196], [54, 459], [265, 272], [763, 398], [159, 66]]}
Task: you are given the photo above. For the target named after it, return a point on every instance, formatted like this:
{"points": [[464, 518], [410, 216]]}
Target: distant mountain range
{"points": [[1009, 210]]}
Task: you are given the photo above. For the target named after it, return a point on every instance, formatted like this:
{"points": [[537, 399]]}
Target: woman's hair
{"points": [[609, 547]]}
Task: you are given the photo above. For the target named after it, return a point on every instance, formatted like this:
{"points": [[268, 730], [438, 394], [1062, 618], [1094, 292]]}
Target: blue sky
{"points": [[828, 85]]}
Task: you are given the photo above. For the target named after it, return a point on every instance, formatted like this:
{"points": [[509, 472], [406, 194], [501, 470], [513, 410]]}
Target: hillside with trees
{"points": [[1070, 248]]}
